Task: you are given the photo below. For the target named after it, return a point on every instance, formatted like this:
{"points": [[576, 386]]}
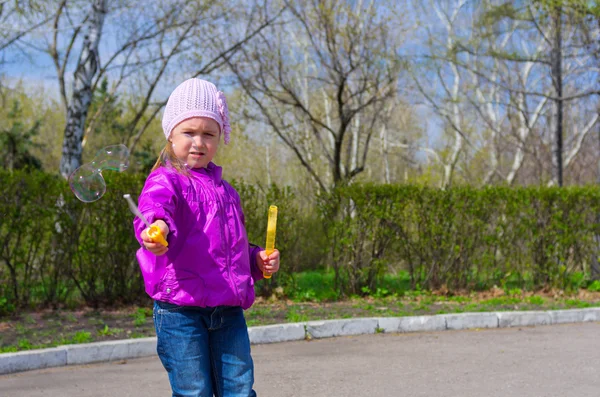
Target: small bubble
{"points": [[87, 182]]}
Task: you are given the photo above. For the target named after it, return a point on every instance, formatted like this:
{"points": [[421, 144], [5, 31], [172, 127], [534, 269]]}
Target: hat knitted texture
{"points": [[196, 98]]}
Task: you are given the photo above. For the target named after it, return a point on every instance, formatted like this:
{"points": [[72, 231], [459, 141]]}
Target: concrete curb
{"points": [[134, 348]]}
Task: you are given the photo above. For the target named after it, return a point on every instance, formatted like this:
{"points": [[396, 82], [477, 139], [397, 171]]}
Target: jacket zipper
{"points": [[227, 243]]}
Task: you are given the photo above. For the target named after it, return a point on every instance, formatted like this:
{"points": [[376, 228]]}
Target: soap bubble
{"points": [[87, 182]]}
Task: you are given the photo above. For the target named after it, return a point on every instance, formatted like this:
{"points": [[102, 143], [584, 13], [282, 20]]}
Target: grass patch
{"points": [[306, 297], [311, 287], [141, 315]]}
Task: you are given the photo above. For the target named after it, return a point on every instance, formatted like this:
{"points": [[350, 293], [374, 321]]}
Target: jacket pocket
{"points": [[185, 287]]}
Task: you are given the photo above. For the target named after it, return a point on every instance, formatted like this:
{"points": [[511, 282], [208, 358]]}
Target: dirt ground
{"points": [[48, 328]]}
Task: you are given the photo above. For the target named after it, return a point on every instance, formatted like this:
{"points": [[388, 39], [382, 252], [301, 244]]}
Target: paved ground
{"points": [[558, 360]]}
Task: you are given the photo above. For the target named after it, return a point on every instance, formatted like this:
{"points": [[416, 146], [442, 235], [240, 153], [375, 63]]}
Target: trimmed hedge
{"points": [[462, 238], [56, 250]]}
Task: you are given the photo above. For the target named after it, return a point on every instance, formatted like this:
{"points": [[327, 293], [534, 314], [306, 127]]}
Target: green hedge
{"points": [[462, 238], [56, 250], [55, 247]]}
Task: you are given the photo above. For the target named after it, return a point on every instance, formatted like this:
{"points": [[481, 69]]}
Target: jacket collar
{"points": [[212, 171]]}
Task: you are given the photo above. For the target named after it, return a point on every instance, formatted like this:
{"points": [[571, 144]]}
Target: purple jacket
{"points": [[209, 261]]}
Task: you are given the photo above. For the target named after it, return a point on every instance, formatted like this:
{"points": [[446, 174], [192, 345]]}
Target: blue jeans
{"points": [[205, 351]]}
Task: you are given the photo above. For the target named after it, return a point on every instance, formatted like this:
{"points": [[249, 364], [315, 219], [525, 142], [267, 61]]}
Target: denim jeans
{"points": [[205, 351]]}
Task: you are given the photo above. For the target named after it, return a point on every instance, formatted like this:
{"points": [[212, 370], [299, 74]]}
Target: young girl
{"points": [[204, 279]]}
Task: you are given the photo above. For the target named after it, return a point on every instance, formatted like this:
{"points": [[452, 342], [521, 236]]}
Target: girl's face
{"points": [[195, 141]]}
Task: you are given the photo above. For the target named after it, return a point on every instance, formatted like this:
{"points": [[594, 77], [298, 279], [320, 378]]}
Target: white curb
{"points": [[134, 348]]}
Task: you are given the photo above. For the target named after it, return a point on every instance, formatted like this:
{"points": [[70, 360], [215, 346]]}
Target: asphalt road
{"points": [[559, 360]]}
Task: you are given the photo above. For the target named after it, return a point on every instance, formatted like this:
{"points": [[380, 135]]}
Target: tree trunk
{"points": [[268, 164], [87, 66], [595, 262], [558, 86], [384, 155]]}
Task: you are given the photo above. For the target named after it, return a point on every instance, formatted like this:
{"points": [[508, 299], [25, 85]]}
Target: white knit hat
{"points": [[196, 98]]}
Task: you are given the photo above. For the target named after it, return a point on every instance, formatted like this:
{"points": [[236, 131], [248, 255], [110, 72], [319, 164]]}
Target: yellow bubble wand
{"points": [[153, 231], [271, 226]]}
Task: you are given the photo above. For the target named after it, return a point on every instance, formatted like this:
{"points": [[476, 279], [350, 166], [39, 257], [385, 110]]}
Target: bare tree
{"points": [[497, 75], [557, 63], [399, 146], [440, 81], [321, 82], [521, 112], [19, 18], [143, 48], [77, 110], [193, 35]]}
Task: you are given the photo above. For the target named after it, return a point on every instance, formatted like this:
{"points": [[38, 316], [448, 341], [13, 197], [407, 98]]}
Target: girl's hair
{"points": [[167, 158]]}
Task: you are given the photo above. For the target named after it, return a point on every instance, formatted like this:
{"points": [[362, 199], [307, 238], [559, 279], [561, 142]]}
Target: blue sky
{"points": [[37, 70]]}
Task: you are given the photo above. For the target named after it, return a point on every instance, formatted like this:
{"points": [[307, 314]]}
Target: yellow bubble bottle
{"points": [[271, 227]]}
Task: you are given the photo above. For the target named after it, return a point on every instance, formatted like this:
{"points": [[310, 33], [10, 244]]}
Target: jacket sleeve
{"points": [[253, 250], [157, 200]]}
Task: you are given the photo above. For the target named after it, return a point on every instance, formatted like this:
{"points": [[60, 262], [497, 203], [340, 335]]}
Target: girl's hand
{"points": [[156, 248], [268, 263]]}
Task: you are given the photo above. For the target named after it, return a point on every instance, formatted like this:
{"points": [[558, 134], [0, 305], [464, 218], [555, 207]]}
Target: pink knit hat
{"points": [[196, 98]]}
